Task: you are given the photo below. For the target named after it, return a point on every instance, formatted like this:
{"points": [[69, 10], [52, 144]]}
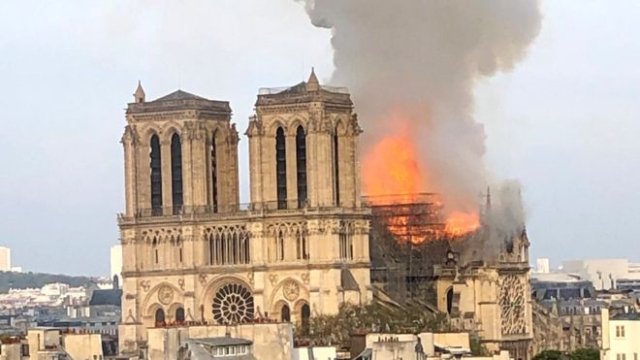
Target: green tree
{"points": [[551, 355], [585, 354]]}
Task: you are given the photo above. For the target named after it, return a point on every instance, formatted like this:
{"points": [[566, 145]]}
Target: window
{"points": [[301, 166], [156, 176], [305, 314], [621, 356], [280, 246], [159, 317], [285, 313], [336, 167], [281, 169], [214, 174], [176, 173], [345, 242], [228, 247], [179, 315], [154, 250], [301, 246], [619, 331]]}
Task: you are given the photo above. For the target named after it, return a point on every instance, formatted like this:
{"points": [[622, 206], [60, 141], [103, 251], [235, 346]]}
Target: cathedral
{"points": [[305, 243], [192, 253]]}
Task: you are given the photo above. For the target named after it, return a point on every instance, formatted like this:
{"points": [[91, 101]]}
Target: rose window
{"points": [[232, 304]]}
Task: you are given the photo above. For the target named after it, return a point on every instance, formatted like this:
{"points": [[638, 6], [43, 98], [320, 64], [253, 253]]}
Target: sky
{"points": [[564, 122]]}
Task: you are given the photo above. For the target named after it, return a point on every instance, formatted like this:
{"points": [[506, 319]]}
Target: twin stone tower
{"points": [[193, 253]]}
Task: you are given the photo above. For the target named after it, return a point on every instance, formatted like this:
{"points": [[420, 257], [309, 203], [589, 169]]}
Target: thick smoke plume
{"points": [[411, 67]]}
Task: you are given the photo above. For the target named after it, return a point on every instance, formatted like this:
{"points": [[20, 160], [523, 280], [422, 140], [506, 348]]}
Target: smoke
{"points": [[419, 60]]}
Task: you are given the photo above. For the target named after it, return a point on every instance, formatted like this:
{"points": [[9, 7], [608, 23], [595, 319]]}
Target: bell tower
{"points": [[180, 156], [303, 148]]}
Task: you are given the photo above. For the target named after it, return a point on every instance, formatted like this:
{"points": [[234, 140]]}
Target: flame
{"points": [[391, 169], [460, 223]]}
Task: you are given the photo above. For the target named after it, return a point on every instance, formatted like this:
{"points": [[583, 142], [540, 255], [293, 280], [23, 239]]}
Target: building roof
{"points": [[347, 281], [180, 95], [627, 316], [180, 100], [305, 92], [222, 341], [106, 297]]}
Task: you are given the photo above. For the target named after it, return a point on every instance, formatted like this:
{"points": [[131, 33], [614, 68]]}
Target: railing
{"points": [[280, 206]]}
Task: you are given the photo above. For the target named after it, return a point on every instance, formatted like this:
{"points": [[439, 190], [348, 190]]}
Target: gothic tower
{"points": [[193, 255]]}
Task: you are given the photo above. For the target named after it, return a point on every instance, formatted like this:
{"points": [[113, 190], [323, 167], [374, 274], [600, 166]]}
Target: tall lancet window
{"points": [[281, 169], [156, 176], [301, 165], [214, 174], [336, 167], [176, 173]]}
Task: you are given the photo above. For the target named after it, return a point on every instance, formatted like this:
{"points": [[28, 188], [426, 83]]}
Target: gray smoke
{"points": [[420, 59]]}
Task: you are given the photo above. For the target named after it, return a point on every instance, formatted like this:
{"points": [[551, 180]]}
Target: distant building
{"points": [[560, 287], [603, 273], [116, 263], [542, 266], [5, 258], [620, 334]]}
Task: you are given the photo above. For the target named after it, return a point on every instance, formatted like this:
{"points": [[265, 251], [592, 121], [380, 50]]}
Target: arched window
{"points": [[156, 176], [154, 251], [449, 300], [301, 246], [280, 246], [179, 315], [301, 166], [345, 241], [305, 314], [281, 169], [160, 317], [214, 174], [176, 173], [285, 313], [336, 167]]}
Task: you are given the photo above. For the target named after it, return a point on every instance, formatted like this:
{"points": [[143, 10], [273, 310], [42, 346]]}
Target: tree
{"points": [[551, 355], [585, 354]]}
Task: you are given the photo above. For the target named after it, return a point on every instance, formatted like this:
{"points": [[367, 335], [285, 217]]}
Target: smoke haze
{"points": [[419, 61]]}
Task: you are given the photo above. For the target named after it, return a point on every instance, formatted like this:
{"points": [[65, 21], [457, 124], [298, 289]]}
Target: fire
{"points": [[392, 170], [460, 223]]}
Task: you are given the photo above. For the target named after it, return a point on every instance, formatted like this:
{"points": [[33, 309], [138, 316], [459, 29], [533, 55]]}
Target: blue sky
{"points": [[564, 122]]}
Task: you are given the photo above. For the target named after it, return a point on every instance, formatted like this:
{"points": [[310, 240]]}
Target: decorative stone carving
{"points": [[165, 295], [202, 278], [181, 284], [305, 278], [512, 305], [250, 277], [290, 290], [145, 285], [273, 278]]}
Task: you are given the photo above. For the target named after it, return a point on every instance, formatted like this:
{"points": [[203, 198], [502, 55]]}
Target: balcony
{"points": [[229, 211]]}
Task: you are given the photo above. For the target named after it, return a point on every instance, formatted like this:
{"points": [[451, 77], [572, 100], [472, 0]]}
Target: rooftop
{"points": [[627, 316], [304, 92], [178, 100]]}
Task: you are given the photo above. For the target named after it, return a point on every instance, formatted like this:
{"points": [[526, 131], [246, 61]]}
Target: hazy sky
{"points": [[565, 122]]}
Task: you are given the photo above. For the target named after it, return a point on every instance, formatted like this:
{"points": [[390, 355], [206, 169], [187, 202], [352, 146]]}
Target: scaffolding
{"points": [[407, 239]]}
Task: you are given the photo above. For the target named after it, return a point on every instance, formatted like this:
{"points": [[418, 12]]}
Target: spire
{"points": [[139, 94], [313, 84]]}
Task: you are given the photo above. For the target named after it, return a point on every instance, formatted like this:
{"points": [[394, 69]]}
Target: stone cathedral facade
{"points": [[192, 253]]}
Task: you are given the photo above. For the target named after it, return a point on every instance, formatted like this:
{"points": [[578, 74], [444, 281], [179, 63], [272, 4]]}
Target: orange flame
{"points": [[460, 223], [392, 167]]}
